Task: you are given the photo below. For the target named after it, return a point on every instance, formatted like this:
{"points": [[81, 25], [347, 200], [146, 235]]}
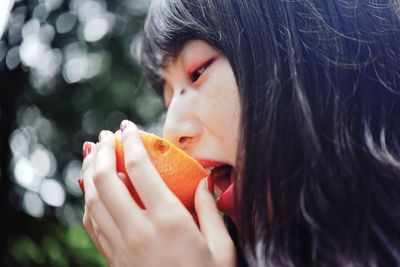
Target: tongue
{"points": [[223, 183], [225, 202], [223, 178]]}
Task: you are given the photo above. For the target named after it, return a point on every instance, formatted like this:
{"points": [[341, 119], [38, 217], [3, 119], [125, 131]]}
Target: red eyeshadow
{"points": [[196, 63]]}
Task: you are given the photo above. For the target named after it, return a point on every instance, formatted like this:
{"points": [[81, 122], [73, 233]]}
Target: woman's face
{"points": [[202, 97]]}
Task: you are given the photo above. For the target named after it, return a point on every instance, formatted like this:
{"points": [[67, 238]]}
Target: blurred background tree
{"points": [[68, 68]]}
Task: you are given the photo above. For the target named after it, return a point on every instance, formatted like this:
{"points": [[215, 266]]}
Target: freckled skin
{"points": [[207, 111]]}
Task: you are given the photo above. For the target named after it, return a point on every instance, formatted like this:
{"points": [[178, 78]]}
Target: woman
{"points": [[313, 157]]}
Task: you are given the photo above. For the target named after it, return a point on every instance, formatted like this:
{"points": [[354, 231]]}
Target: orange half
{"points": [[180, 172]]}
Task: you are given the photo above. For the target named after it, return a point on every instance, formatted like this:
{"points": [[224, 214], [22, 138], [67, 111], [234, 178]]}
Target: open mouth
{"points": [[221, 182], [221, 178]]}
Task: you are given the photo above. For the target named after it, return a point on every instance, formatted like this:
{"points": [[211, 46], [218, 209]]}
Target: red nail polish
{"points": [[87, 148], [81, 185], [123, 125]]}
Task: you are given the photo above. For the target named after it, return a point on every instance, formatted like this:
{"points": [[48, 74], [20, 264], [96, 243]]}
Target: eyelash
{"points": [[195, 75]]}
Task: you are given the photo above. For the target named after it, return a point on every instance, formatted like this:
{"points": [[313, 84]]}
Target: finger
{"points": [[88, 167], [105, 224], [90, 149], [111, 190], [87, 222], [141, 171], [108, 251], [211, 222]]}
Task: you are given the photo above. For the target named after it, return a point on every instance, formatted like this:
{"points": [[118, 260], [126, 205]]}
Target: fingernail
{"points": [[103, 134], [87, 148], [125, 124], [81, 185], [204, 184]]}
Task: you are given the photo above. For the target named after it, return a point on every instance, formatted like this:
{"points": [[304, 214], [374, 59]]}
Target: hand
{"points": [[164, 234]]}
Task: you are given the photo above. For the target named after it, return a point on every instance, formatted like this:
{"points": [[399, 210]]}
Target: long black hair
{"points": [[319, 84]]}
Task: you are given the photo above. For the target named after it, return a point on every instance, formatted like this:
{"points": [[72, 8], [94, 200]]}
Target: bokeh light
{"points": [[149, 105], [71, 173], [6, 6], [32, 161], [76, 64], [33, 204], [42, 161], [12, 58], [91, 122], [65, 22], [95, 29], [24, 174], [51, 4], [52, 192]]}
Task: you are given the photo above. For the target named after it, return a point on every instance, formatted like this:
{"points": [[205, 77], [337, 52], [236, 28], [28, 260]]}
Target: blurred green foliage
{"points": [[50, 251], [68, 68]]}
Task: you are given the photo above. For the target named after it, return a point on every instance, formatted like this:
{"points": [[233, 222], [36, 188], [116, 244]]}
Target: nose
{"points": [[183, 132]]}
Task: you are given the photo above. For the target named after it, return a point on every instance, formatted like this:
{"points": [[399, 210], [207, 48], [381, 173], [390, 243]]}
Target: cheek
{"points": [[222, 108]]}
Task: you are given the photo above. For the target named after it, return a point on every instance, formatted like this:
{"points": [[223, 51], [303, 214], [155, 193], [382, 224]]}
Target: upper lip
{"points": [[209, 163]]}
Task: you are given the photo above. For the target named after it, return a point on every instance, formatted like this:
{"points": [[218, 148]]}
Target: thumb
{"points": [[211, 222]]}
